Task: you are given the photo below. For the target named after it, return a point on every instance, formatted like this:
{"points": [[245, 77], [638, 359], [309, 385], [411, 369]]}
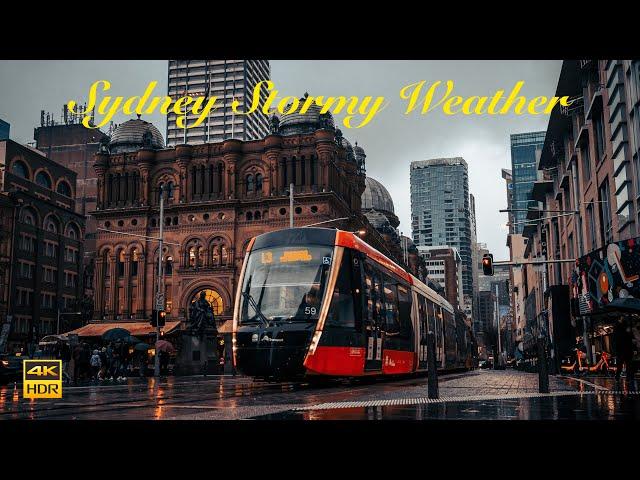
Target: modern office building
{"points": [[4, 130], [444, 266], [227, 80], [441, 213], [526, 149]]}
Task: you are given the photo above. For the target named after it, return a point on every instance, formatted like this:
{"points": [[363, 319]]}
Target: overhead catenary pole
{"points": [[291, 205], [160, 291]]}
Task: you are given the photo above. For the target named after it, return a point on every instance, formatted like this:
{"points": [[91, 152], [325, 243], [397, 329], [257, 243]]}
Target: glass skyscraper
{"points": [[525, 154], [4, 130], [440, 210]]}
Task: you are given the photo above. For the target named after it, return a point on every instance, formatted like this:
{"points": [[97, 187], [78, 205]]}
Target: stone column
{"points": [[113, 287], [126, 285], [140, 286], [99, 282]]}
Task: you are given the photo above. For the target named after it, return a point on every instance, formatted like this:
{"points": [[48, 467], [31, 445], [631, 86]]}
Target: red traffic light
{"points": [[487, 264]]}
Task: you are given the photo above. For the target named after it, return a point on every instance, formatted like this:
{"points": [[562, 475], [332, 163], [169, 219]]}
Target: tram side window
{"points": [[404, 310], [368, 287], [391, 306], [341, 311]]}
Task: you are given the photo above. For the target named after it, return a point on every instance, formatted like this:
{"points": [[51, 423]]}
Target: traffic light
{"points": [[158, 318], [487, 264]]}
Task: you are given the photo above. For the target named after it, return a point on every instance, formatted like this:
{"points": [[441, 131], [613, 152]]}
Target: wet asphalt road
{"points": [[476, 395]]}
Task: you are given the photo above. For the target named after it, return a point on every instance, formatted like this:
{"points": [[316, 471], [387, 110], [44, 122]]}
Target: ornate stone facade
{"points": [[223, 194]]}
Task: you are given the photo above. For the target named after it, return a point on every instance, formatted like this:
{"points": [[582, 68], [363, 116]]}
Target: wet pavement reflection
{"points": [[480, 395]]}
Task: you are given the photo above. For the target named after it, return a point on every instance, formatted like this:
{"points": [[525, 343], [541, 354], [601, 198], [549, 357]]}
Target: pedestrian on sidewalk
{"points": [[96, 364], [623, 341]]}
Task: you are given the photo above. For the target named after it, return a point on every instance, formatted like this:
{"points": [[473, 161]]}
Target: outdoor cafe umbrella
{"points": [[142, 347], [114, 334], [165, 346]]}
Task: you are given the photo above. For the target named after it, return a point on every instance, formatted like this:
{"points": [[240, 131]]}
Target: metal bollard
{"points": [[543, 367], [432, 371]]}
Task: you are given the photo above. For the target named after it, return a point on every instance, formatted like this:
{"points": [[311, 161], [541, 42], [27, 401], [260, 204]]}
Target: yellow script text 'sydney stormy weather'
{"points": [[419, 98]]}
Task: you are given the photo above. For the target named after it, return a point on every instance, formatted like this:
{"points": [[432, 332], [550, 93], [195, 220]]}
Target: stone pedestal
{"points": [[198, 354]]}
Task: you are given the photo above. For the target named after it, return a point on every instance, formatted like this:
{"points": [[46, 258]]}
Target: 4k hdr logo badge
{"points": [[42, 379]]}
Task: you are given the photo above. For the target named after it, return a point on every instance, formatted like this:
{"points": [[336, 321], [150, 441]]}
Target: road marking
{"points": [[597, 387], [426, 400]]}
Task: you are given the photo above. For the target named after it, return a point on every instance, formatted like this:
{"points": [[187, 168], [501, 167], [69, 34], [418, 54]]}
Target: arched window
{"points": [[257, 215], [250, 184], [121, 260], [258, 182], [218, 252], [19, 168], [249, 216], [168, 266], [52, 225], [192, 257], [195, 254], [72, 231], [29, 216], [135, 257], [170, 188], [64, 189], [160, 185], [214, 299], [43, 180], [265, 214], [220, 176]]}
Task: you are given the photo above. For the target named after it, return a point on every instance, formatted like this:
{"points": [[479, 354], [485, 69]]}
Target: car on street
{"points": [[9, 369]]}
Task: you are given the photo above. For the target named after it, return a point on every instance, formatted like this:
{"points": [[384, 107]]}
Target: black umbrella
{"points": [[627, 304], [142, 347], [114, 334]]}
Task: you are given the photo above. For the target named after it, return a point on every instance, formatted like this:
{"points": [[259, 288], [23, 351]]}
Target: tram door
{"points": [[373, 318]]}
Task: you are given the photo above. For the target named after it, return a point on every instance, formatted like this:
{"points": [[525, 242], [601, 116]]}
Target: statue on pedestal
{"points": [[201, 316]]}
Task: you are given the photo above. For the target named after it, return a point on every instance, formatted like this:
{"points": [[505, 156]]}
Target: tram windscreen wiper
{"points": [[255, 306]]}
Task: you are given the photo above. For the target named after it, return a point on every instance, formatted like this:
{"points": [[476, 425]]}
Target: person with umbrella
{"points": [[142, 349], [164, 349]]}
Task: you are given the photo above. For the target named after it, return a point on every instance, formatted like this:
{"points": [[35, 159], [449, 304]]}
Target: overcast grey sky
{"points": [[392, 140]]}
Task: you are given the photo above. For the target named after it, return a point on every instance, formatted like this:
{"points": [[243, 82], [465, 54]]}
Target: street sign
{"points": [[159, 301]]}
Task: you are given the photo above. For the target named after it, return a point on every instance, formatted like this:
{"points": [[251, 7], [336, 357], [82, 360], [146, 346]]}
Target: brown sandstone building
{"points": [[223, 194]]}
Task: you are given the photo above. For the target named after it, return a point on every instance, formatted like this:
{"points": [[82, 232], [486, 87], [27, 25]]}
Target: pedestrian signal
{"points": [[487, 264]]}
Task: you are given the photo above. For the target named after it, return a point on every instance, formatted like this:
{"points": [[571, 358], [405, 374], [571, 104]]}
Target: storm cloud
{"points": [[392, 140]]}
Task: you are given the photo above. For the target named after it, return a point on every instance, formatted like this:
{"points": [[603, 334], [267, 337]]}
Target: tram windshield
{"points": [[284, 284]]}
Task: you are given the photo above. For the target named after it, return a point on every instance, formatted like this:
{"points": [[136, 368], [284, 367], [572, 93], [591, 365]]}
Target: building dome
{"points": [[380, 222], [376, 197], [135, 134], [308, 122]]}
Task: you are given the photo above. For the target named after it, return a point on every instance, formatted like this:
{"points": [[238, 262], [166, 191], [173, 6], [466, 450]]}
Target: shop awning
{"points": [[137, 329]]}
